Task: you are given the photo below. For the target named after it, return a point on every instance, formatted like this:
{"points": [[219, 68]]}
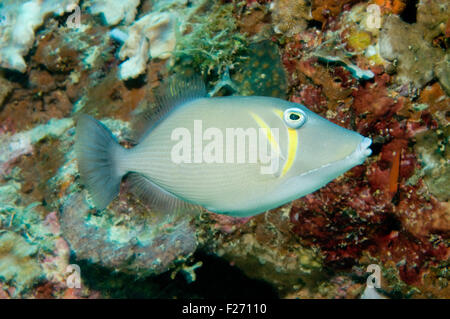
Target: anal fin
{"points": [[158, 199]]}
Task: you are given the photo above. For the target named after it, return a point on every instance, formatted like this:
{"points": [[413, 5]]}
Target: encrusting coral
{"points": [[290, 17], [152, 36], [114, 12], [17, 265], [417, 61]]}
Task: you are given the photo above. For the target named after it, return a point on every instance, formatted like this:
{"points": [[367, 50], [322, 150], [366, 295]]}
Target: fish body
{"points": [[207, 152]]}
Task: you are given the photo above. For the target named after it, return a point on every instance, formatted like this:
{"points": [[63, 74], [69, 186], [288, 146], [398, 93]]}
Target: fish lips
{"points": [[363, 150]]}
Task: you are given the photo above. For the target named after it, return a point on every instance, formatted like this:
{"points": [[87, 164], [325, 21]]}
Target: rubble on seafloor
{"points": [[388, 82]]}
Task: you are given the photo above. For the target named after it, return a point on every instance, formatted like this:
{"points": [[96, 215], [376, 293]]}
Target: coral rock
{"points": [[290, 17], [5, 89], [18, 264], [434, 154], [151, 36], [433, 14], [324, 9], [22, 19], [139, 246], [417, 59], [115, 12]]}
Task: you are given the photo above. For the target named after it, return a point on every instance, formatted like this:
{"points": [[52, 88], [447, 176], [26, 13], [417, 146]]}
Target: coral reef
{"points": [[392, 202], [32, 247], [418, 62], [389, 82]]}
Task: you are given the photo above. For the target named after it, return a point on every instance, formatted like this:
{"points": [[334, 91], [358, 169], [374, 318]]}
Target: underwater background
{"points": [[378, 67]]}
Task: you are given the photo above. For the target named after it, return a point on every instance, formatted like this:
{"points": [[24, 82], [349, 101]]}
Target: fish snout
{"points": [[363, 150]]}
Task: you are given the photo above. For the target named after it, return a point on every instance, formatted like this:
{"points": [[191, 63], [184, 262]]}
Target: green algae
{"points": [[212, 42]]}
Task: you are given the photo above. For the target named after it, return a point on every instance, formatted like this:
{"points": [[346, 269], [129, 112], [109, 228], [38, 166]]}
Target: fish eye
{"points": [[294, 118]]}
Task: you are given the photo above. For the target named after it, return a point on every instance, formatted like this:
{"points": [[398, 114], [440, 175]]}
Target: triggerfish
{"points": [[234, 155]]}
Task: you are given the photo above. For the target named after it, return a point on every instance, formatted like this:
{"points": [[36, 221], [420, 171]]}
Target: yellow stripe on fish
{"points": [[292, 146], [268, 132]]}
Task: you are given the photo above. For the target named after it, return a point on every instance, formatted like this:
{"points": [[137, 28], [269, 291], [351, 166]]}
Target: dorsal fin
{"points": [[173, 92], [158, 199]]}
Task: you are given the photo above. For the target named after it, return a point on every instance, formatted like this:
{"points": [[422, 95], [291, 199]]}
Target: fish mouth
{"points": [[363, 149], [358, 156]]}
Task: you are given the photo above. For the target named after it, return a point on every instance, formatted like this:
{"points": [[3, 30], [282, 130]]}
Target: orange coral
{"points": [[334, 91], [394, 6], [323, 9]]}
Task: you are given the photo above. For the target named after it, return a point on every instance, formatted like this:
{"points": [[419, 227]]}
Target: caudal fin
{"points": [[97, 151]]}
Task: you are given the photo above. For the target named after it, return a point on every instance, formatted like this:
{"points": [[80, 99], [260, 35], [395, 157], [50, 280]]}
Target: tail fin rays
{"points": [[97, 152]]}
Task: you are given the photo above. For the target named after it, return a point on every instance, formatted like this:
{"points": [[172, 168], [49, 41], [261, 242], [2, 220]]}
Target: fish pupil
{"points": [[294, 117]]}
